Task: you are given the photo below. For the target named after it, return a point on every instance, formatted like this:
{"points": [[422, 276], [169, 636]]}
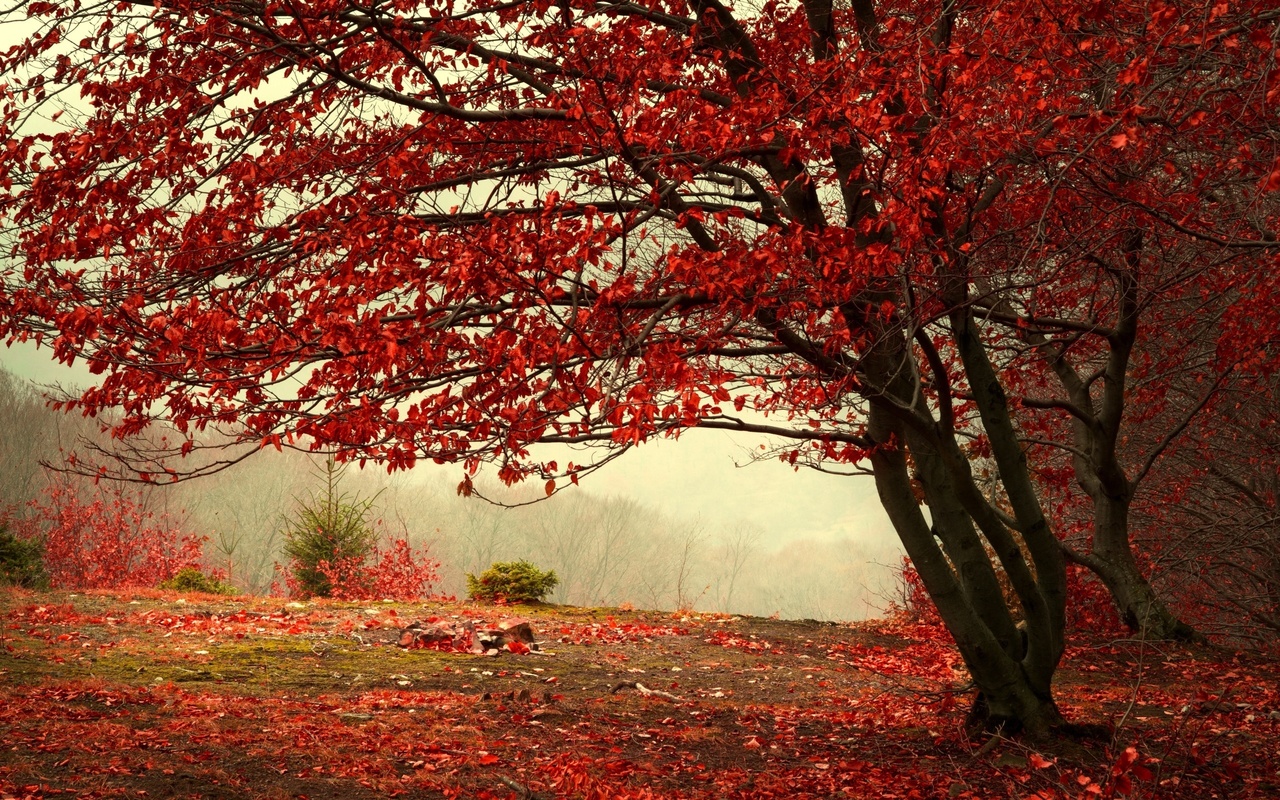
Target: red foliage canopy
{"points": [[415, 229]]}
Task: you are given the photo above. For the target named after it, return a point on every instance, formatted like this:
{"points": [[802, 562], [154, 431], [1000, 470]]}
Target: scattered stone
{"points": [[523, 792], [518, 629], [490, 639], [515, 696], [645, 691], [1215, 707], [514, 635], [1011, 760], [419, 635]]}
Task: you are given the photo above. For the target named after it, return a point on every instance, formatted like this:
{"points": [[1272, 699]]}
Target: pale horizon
{"points": [[697, 477]]}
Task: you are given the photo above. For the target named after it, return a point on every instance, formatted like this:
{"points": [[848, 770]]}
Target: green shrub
{"points": [[190, 579], [513, 581], [21, 561], [328, 540]]}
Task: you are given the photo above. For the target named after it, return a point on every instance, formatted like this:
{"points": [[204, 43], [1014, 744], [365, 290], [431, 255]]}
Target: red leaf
{"points": [[1272, 183]]}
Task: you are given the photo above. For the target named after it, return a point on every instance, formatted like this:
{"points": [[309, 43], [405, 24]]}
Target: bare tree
{"points": [[27, 437], [738, 544]]}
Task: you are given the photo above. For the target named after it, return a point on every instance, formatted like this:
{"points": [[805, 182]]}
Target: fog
{"points": [[693, 523]]}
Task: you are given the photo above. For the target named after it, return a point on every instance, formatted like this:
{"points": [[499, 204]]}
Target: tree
{"points": [[405, 231], [241, 509], [1212, 524], [29, 436], [736, 545], [329, 538], [23, 444]]}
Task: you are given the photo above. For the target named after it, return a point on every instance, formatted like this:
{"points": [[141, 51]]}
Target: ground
{"points": [[154, 694]]}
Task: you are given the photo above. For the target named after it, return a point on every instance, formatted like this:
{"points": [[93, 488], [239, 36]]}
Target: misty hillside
{"points": [[607, 549]]}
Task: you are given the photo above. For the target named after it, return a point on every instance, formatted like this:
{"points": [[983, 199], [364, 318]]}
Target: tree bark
{"points": [[1096, 436], [1112, 560], [1014, 679], [1015, 694]]}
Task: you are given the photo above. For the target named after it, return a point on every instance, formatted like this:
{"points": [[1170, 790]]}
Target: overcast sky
{"points": [[697, 476]]}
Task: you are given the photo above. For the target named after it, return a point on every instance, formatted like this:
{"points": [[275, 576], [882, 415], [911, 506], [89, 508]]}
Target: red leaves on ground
{"points": [[1038, 761], [613, 631], [1127, 769], [847, 712]]}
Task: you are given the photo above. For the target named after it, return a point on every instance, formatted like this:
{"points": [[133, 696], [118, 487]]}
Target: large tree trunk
{"points": [[1015, 692], [1112, 560], [1141, 609], [1014, 676]]}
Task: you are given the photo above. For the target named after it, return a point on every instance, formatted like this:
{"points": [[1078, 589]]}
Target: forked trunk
{"points": [[1014, 678], [1011, 667], [1014, 682]]}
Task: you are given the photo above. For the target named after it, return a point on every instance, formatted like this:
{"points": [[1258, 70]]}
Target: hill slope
{"points": [[155, 694]]}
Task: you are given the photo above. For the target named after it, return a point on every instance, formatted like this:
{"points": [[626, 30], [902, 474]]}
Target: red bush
{"points": [[1090, 606], [1089, 603], [401, 574], [916, 604], [102, 538], [395, 573]]}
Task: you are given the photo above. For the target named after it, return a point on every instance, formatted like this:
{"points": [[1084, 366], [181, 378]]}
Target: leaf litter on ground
{"points": [[155, 694]]}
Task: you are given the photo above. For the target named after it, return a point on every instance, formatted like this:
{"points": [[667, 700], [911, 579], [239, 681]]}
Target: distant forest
{"points": [[607, 550]]}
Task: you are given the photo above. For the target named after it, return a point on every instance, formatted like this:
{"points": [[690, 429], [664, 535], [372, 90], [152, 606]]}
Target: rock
{"points": [[517, 629], [491, 639], [1011, 760], [1215, 707], [515, 635], [417, 635], [465, 639]]}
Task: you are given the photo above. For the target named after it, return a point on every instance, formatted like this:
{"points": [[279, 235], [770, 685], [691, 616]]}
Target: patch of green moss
{"points": [[28, 666]]}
